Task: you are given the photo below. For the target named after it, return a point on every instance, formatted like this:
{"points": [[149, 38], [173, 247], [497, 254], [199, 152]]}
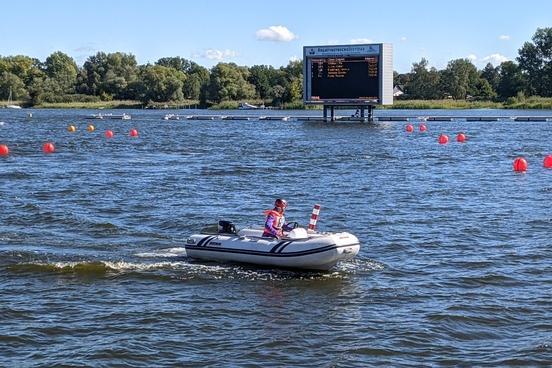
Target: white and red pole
{"points": [[314, 217]]}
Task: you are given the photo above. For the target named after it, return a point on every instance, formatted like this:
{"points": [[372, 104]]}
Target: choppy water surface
{"points": [[454, 268]]}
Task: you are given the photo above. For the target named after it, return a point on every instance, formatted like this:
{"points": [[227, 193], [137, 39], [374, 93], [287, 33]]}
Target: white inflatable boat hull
{"points": [[301, 250]]}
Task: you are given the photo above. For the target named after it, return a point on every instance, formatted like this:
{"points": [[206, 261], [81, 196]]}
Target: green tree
{"points": [[108, 75], [62, 71], [198, 79], [197, 76], [177, 63], [484, 90], [535, 61], [24, 67], [228, 82], [511, 80], [277, 94], [10, 82], [291, 78], [263, 77], [460, 79], [423, 83], [159, 83], [491, 75]]}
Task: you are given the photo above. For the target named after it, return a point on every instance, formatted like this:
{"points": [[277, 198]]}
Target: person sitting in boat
{"points": [[275, 223]]}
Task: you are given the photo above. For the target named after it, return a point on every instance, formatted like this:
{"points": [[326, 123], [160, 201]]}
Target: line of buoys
{"points": [[410, 128], [48, 147], [4, 150], [520, 163]]}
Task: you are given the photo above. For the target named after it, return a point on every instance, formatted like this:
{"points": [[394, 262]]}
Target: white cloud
{"points": [[219, 55], [495, 59], [504, 37], [358, 41], [403, 39], [294, 58], [276, 34]]}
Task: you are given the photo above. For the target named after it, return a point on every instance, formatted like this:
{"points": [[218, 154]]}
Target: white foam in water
{"points": [[133, 266], [164, 253]]}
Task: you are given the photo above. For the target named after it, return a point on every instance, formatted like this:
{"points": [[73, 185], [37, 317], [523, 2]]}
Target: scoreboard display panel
{"points": [[348, 74]]}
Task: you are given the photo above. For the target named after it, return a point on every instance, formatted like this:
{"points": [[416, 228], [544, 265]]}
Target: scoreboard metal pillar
{"points": [[366, 112]]}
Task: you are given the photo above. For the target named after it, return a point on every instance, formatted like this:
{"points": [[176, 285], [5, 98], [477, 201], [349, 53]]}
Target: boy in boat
{"points": [[275, 223]]}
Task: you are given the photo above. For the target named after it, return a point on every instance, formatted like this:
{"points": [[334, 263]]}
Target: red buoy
{"points": [[548, 162], [443, 139], [409, 128], [423, 128], [133, 133], [461, 137], [108, 134], [4, 150], [520, 164], [48, 147]]}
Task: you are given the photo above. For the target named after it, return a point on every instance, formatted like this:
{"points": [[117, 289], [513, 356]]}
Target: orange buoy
{"points": [[90, 128], [48, 147], [461, 137], [520, 164], [71, 129], [4, 150], [548, 162], [443, 139], [423, 128], [133, 133], [409, 128], [108, 134]]}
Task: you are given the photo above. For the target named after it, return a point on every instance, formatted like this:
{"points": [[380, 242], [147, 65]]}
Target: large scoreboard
{"points": [[348, 74]]}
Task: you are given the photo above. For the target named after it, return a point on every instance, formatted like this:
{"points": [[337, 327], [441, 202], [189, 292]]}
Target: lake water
{"points": [[455, 266]]}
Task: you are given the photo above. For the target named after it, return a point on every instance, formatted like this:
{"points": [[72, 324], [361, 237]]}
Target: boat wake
{"points": [[163, 253], [91, 268], [180, 270]]}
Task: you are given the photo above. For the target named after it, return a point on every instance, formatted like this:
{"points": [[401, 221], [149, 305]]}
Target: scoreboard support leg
{"points": [[366, 113], [332, 113], [370, 113]]}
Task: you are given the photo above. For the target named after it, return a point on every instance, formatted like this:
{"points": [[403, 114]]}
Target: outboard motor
{"points": [[226, 227]]}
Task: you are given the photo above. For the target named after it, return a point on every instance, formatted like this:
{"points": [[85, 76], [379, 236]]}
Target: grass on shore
{"points": [[520, 102], [544, 103]]}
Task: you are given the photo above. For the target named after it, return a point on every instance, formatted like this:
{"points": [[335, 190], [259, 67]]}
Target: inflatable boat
{"points": [[299, 249]]}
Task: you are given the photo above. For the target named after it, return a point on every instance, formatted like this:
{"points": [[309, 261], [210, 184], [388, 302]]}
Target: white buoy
{"points": [[314, 217]]}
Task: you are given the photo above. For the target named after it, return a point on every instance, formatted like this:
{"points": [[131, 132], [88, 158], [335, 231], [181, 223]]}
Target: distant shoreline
{"points": [[536, 103]]}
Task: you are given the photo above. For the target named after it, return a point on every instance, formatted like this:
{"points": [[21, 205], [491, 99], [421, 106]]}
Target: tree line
{"points": [[530, 76], [117, 76]]}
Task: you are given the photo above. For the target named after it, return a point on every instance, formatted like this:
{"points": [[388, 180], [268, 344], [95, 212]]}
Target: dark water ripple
{"points": [[455, 266]]}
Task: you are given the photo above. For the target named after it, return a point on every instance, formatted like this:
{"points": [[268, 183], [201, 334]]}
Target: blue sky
{"points": [[270, 32]]}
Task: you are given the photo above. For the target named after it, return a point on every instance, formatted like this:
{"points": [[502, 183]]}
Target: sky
{"points": [[271, 32]]}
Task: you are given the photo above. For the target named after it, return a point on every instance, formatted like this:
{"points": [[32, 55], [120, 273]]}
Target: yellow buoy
{"points": [[71, 129], [90, 128]]}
